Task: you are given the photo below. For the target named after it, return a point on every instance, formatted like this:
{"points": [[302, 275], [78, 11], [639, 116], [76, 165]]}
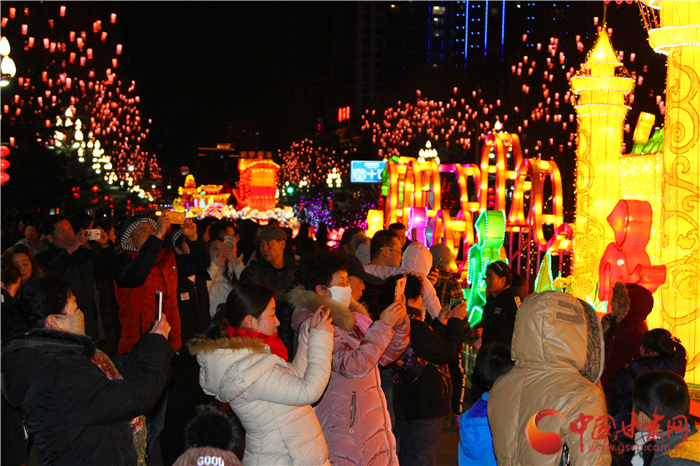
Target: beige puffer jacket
{"points": [[270, 396], [558, 352]]}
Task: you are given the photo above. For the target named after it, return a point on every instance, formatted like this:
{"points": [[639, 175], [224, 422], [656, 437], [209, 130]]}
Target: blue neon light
{"points": [[486, 26], [466, 34], [503, 27]]}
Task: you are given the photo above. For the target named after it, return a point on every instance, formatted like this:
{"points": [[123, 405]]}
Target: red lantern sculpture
{"points": [[626, 259]]}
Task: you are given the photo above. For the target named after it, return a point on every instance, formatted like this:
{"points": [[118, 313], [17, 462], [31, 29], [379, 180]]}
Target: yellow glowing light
{"points": [[677, 172], [601, 89]]}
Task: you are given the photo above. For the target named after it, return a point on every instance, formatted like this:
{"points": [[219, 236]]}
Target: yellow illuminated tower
{"points": [[602, 88], [674, 30]]}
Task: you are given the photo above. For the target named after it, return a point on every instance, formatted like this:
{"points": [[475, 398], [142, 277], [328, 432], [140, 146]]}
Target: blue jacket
{"points": [[475, 442]]}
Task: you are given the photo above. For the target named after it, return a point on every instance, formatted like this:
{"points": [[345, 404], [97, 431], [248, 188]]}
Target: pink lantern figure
{"points": [[626, 259]]}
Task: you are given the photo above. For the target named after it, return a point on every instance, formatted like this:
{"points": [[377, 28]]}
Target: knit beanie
{"points": [[209, 456], [129, 227]]}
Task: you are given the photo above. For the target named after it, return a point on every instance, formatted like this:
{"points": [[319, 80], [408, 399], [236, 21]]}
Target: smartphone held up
{"points": [[159, 305]]}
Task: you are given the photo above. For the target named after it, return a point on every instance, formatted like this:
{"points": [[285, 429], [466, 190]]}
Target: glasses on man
{"points": [[399, 251]]}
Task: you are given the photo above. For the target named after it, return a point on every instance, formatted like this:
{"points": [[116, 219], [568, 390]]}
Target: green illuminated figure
{"points": [[490, 231]]}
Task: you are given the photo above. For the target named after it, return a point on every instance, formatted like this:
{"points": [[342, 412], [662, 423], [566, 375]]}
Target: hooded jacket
{"points": [[558, 353], [622, 342], [475, 442], [270, 396], [417, 260], [77, 415], [353, 411], [137, 276]]}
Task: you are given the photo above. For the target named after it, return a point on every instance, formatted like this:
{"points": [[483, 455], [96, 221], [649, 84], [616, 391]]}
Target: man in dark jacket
{"points": [[69, 258], [275, 270], [144, 267]]}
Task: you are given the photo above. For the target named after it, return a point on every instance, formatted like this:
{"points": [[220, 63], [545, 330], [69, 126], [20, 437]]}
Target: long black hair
{"points": [[34, 302], [247, 299]]}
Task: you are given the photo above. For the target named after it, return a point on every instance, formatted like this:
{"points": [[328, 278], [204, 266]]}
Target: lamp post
{"points": [[7, 64]]}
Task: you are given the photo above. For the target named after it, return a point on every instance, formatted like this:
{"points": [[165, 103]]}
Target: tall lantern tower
{"points": [[602, 88], [674, 30]]}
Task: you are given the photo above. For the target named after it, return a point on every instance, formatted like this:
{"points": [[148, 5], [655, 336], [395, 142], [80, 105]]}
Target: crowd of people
{"points": [[233, 342]]}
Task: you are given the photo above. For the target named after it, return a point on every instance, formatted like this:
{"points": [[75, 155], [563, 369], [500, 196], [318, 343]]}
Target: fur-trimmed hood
{"points": [[228, 366], [24, 358], [303, 299], [251, 344]]}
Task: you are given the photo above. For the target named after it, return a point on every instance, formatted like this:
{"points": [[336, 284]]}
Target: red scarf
{"points": [[273, 341]]}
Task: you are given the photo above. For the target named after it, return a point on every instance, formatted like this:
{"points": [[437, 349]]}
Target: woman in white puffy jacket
{"points": [[242, 362]]}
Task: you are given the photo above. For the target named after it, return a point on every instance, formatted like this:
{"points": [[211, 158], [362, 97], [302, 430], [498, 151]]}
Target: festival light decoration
{"points": [[490, 231], [674, 30], [626, 258], [75, 71], [7, 65], [601, 97], [257, 185]]}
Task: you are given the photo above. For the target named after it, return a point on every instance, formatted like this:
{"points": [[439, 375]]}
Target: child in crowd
{"points": [[475, 442], [663, 396], [661, 351]]}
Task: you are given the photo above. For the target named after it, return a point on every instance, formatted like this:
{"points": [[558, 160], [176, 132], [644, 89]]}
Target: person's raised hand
{"points": [[78, 240], [393, 314], [162, 327], [103, 240], [460, 311], [444, 314], [189, 229], [433, 276], [322, 320], [227, 253], [162, 226]]}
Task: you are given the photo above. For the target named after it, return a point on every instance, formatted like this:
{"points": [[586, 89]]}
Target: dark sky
{"points": [[197, 65]]}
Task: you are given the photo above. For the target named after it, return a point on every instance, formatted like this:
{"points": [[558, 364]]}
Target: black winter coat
{"points": [[429, 396], [79, 271], [76, 414], [623, 382], [499, 317]]}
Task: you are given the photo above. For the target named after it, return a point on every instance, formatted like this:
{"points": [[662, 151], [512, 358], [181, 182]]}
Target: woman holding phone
{"points": [[243, 362], [353, 411], [78, 407]]}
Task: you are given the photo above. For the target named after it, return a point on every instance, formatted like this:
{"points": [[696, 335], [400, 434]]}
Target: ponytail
{"points": [[666, 345]]}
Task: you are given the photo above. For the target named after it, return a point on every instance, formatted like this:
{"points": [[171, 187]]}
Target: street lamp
{"points": [[7, 65]]}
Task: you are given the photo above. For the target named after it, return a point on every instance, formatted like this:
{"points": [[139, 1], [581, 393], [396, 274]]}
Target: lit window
{"points": [[438, 10]]}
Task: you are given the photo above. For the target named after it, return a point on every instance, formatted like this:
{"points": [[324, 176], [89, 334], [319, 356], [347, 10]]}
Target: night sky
{"points": [[199, 65]]}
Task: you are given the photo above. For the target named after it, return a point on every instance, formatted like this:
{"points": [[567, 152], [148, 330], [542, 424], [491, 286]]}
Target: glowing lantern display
{"points": [[626, 258], [674, 31], [601, 97], [490, 230], [258, 184]]}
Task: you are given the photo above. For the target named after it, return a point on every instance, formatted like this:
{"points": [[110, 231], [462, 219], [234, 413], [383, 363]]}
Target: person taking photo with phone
{"points": [[144, 267], [244, 363], [69, 258], [422, 386], [353, 410], [79, 409]]}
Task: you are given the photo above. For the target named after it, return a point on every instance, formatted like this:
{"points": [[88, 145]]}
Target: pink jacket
{"points": [[352, 411]]}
